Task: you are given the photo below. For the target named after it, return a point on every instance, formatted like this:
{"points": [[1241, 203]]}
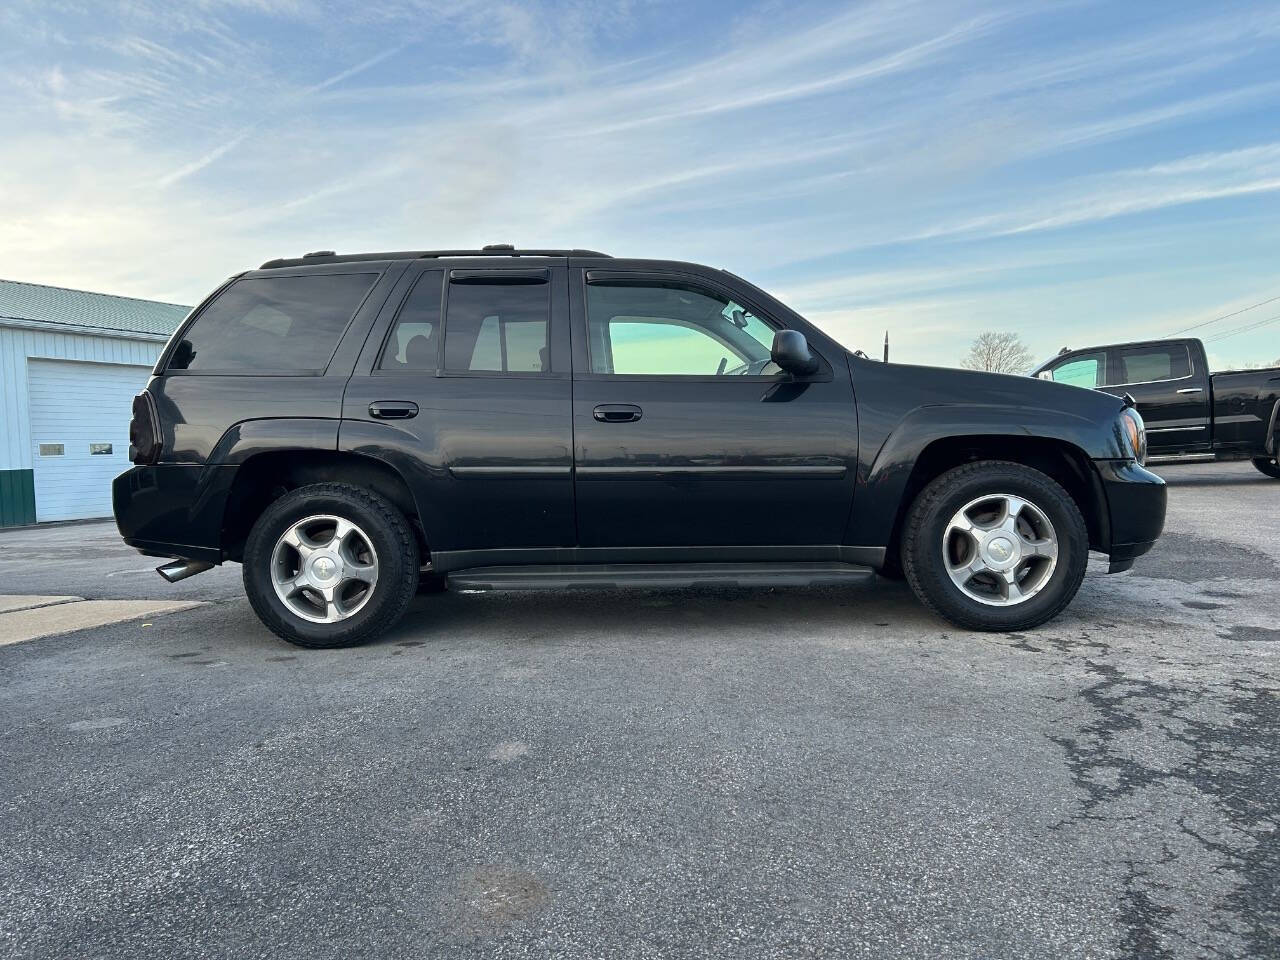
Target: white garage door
{"points": [[79, 433]]}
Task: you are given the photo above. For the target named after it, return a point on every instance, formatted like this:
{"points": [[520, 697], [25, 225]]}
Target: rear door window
{"points": [[273, 325], [1154, 363], [414, 341], [498, 325]]}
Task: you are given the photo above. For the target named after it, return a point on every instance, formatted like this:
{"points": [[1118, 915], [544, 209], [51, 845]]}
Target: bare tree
{"points": [[998, 353]]}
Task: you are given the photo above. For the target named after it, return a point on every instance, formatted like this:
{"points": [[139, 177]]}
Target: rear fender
{"points": [[197, 497], [250, 437]]}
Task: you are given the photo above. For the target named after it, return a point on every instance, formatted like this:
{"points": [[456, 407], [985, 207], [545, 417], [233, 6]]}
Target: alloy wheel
{"points": [[324, 569], [1000, 549]]}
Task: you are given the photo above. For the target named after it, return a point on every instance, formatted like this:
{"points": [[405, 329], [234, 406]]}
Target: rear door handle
{"points": [[393, 409], [1192, 390], [617, 413]]}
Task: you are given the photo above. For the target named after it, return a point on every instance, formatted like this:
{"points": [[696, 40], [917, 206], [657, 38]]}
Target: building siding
{"points": [[18, 344], [17, 498]]}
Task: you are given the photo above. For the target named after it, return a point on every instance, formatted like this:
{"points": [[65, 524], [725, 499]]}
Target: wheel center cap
{"points": [[323, 568], [1001, 551]]}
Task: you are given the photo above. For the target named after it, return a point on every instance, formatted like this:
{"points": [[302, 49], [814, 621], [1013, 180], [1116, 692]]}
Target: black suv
{"points": [[352, 427]]}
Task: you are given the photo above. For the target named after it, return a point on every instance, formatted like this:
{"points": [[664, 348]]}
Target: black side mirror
{"points": [[791, 352]]}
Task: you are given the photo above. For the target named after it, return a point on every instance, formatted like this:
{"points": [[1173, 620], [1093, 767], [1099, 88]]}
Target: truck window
{"points": [[497, 326], [413, 340], [673, 330], [1087, 370], [1146, 364], [273, 325]]}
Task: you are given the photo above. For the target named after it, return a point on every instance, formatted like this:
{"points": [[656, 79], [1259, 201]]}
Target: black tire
{"points": [[1268, 465], [387, 530], [892, 568], [924, 563]]}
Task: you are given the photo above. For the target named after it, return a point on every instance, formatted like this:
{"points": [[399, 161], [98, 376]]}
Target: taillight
{"points": [[144, 430]]}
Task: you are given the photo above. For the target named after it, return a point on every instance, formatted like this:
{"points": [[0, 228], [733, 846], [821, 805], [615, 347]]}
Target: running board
{"points": [[1182, 458], [562, 576]]}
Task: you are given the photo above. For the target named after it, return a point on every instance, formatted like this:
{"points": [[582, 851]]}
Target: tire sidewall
{"points": [[1048, 496], [396, 567]]}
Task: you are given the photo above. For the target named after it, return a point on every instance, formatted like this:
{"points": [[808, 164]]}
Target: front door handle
{"points": [[1192, 390], [617, 413], [393, 409]]}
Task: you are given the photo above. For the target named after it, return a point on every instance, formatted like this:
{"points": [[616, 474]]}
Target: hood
{"points": [[934, 385]]}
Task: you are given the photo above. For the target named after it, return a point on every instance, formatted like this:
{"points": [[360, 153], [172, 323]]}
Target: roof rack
{"points": [[491, 250]]}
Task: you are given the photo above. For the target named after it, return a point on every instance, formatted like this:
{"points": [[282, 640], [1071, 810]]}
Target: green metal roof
{"points": [[59, 305]]}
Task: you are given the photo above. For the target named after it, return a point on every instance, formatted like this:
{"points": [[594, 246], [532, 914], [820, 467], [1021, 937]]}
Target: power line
{"points": [[1226, 316], [1243, 329]]}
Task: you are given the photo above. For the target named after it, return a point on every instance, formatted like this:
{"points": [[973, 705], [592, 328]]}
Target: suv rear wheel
{"points": [[1268, 465], [994, 545], [330, 565]]}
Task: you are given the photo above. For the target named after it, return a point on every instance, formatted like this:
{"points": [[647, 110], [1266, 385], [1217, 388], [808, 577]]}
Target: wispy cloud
{"points": [[233, 140], [931, 165]]}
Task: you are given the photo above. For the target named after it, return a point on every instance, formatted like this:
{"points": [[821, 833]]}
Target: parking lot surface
{"points": [[730, 773]]}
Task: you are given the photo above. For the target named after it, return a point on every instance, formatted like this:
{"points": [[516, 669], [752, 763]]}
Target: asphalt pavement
{"points": [[728, 773]]}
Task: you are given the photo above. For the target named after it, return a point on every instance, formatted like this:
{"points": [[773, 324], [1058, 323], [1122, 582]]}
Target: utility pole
{"points": [[886, 346]]}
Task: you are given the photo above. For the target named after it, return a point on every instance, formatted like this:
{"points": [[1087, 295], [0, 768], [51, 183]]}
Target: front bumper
{"points": [[1136, 501]]}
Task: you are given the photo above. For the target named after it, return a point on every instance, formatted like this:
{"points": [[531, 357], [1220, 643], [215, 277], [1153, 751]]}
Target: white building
{"points": [[70, 364]]}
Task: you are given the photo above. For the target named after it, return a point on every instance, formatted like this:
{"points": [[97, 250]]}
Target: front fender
{"points": [[883, 477]]}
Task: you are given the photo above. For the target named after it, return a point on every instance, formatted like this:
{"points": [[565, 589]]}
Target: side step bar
{"points": [[1182, 458], [562, 576]]}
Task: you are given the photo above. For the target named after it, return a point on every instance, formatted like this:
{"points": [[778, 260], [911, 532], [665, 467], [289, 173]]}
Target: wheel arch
{"points": [[262, 478], [917, 453]]}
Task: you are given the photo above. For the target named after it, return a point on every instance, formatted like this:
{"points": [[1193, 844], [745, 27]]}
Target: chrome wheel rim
{"points": [[324, 569], [1000, 550]]}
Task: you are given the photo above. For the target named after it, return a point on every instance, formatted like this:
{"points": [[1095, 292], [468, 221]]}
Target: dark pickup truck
{"points": [[1191, 414], [354, 428]]}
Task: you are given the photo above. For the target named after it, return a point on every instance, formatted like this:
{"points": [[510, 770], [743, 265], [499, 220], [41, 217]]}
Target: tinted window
{"points": [[663, 329], [497, 325], [278, 324], [1088, 370], [1142, 364], [414, 338]]}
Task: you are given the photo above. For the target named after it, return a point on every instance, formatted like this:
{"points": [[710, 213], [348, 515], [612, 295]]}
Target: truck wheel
{"points": [[1268, 465], [994, 545], [330, 565]]}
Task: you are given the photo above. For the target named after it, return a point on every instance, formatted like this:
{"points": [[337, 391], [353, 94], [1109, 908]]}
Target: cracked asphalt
{"points": [[732, 773]]}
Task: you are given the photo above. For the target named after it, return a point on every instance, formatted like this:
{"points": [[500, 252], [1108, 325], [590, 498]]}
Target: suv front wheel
{"points": [[330, 565], [1268, 465], [994, 545]]}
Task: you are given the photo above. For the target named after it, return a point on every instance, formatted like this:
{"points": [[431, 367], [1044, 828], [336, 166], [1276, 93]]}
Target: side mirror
{"points": [[791, 352]]}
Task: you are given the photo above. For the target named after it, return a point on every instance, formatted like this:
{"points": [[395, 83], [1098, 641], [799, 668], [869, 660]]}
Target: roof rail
{"points": [[492, 250]]}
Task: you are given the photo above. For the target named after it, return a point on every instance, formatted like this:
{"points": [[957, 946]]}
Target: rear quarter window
{"points": [[273, 325], [1155, 363]]}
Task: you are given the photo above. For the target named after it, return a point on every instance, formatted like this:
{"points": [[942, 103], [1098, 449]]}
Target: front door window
{"points": [[668, 329], [1087, 370]]}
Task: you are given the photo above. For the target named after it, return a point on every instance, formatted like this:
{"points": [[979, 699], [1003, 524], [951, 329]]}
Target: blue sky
{"points": [[1077, 172]]}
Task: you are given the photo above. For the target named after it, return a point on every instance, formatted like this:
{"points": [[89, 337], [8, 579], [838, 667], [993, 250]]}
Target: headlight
{"points": [[1135, 432]]}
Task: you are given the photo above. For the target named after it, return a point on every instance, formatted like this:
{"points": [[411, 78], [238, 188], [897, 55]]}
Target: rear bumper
{"points": [[1136, 502], [172, 510]]}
